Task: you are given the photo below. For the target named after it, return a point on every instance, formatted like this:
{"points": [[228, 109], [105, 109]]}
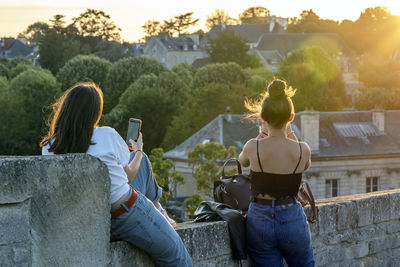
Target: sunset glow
{"points": [[15, 16]]}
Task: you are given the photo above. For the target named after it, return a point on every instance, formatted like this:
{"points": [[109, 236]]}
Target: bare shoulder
{"points": [[250, 145], [305, 148]]}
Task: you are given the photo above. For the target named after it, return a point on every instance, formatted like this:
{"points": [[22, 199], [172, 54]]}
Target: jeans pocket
{"points": [[294, 231]]}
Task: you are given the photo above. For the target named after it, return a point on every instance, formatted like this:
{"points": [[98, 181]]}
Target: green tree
{"points": [[96, 23], [225, 73], [218, 17], [163, 173], [59, 44], [192, 202], [83, 68], [217, 87], [185, 72], [317, 79], [4, 70], [256, 14], [151, 28], [228, 46], [18, 60], [154, 100], [204, 157], [30, 93], [373, 97], [310, 22], [21, 67], [183, 22], [123, 73], [35, 31]]}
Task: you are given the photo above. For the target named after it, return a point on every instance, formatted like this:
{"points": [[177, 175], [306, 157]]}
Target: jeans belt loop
{"points": [[273, 203]]}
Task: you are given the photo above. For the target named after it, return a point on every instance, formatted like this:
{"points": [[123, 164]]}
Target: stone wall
{"points": [[54, 212]]}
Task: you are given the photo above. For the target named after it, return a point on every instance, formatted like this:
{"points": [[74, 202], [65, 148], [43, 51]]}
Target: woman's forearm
{"points": [[133, 167]]}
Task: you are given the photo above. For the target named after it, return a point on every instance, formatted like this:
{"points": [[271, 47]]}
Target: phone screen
{"points": [[133, 130]]}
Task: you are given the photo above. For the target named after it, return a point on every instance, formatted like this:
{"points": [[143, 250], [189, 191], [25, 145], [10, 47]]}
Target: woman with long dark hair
{"points": [[137, 216], [277, 227]]}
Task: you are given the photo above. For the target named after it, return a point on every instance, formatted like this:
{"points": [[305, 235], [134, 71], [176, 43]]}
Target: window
{"points": [[331, 188], [371, 184]]}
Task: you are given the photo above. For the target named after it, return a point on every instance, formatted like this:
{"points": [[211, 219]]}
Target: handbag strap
{"points": [[231, 160]]}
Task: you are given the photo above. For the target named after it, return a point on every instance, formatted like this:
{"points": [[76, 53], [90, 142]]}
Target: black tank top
{"points": [[278, 186]]}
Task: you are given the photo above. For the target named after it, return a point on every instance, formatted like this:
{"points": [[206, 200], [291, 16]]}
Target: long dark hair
{"points": [[74, 117]]}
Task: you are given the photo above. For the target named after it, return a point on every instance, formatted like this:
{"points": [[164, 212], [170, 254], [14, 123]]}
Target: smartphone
{"points": [[134, 127]]}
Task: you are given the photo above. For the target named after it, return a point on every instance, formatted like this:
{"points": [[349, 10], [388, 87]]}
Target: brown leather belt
{"points": [[270, 202], [125, 206]]}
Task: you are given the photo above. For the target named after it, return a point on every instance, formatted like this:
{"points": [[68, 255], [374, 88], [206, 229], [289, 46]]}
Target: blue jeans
{"points": [[277, 232], [145, 227]]}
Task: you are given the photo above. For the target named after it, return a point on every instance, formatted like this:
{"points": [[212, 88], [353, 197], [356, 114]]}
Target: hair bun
{"points": [[277, 89]]}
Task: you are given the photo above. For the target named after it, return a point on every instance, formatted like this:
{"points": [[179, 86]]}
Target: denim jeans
{"points": [[278, 232], [145, 227]]}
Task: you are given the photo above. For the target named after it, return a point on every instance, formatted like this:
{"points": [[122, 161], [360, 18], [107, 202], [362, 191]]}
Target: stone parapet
{"points": [[54, 211]]}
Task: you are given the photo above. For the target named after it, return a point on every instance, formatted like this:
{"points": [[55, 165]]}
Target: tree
{"points": [[4, 70], [162, 171], [386, 98], [204, 157], [59, 44], [218, 17], [83, 68], [151, 28], [35, 31], [317, 79], [123, 73], [228, 46], [96, 23], [183, 22], [217, 86], [113, 51], [30, 93], [168, 27], [257, 14], [154, 100], [21, 67], [223, 73], [192, 202]]}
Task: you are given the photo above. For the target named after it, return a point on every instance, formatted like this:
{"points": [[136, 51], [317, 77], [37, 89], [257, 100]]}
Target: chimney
{"points": [[228, 114], [378, 119], [310, 128]]}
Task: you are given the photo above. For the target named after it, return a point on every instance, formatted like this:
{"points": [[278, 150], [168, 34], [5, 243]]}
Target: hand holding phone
{"points": [[134, 128], [138, 145]]}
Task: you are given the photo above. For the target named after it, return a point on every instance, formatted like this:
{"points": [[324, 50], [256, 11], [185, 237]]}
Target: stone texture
{"points": [[394, 206], [364, 211], [12, 171], [14, 223], [327, 218], [360, 250], [60, 211], [346, 218], [70, 211], [381, 208]]}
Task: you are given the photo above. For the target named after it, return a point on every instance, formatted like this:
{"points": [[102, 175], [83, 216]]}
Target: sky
{"points": [[130, 15]]}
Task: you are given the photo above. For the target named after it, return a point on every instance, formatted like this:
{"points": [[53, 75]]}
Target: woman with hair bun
{"points": [[277, 227]]}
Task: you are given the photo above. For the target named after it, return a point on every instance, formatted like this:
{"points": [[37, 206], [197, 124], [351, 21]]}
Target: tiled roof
{"points": [[252, 32], [177, 43], [17, 49], [287, 42], [341, 134]]}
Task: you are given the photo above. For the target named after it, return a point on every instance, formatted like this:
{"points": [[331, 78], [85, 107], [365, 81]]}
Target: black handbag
{"points": [[234, 190]]}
